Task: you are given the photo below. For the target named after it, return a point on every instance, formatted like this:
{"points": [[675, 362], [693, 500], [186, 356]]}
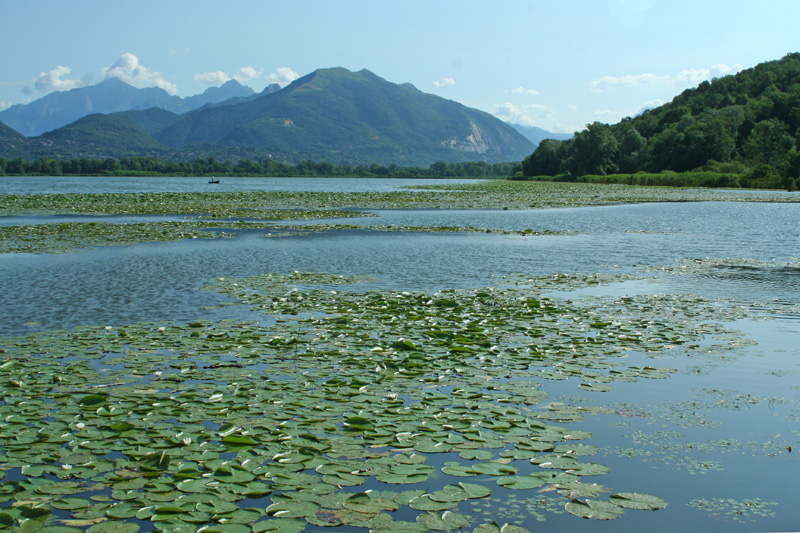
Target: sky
{"points": [[555, 64]]}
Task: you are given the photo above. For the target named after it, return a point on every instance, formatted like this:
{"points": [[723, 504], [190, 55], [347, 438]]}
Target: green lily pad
{"points": [[595, 509], [636, 500]]}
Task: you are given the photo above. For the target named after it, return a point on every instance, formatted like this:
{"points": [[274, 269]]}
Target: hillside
{"points": [[342, 116], [747, 124], [99, 135], [60, 108]]}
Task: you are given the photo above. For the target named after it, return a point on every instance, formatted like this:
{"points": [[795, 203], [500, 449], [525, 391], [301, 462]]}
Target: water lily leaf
{"points": [[280, 525], [93, 399], [588, 469], [155, 461], [521, 482], [71, 503], [575, 489], [368, 502], [595, 387], [635, 500], [475, 490], [425, 503], [476, 455], [107, 527], [595, 509], [453, 468], [446, 521], [293, 509], [494, 469]]}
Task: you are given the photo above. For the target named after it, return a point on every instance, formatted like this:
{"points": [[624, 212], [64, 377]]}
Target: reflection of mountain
{"points": [[61, 108], [330, 115]]}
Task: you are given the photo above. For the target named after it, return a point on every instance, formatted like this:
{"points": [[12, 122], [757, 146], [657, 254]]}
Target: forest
{"points": [[210, 166], [745, 127]]}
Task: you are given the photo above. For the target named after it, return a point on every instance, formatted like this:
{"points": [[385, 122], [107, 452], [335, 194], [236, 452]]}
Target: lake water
{"points": [[752, 250]]}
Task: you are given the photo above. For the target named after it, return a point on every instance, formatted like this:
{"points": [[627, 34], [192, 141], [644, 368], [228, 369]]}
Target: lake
{"points": [[714, 439]]}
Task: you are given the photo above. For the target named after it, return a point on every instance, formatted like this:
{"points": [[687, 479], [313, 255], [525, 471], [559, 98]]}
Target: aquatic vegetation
{"points": [[735, 510], [434, 398]]}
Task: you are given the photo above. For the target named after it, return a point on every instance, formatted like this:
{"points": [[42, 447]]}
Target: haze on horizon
{"points": [[555, 65]]}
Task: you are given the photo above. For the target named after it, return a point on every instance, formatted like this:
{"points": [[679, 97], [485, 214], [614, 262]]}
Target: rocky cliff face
{"points": [[476, 142]]}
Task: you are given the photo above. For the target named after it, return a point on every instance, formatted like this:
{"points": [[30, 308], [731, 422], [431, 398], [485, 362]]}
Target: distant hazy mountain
{"points": [[537, 135], [112, 95], [342, 116]]}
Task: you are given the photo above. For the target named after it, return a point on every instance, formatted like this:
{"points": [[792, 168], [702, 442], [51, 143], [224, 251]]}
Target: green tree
{"points": [[594, 151]]}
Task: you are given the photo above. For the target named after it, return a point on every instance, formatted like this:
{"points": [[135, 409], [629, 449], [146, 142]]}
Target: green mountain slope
{"points": [[7, 133], [100, 136], [152, 120], [353, 117], [747, 124]]}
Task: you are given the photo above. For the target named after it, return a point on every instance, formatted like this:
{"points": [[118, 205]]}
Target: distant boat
{"points": [[213, 180]]}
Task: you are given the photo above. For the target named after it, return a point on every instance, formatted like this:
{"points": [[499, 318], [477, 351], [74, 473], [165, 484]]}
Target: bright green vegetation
{"points": [[744, 126], [278, 426]]}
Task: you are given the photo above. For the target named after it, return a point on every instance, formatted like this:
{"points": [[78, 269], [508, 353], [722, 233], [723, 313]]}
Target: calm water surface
{"points": [[127, 284]]}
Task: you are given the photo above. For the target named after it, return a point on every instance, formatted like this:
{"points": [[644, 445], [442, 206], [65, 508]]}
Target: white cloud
{"points": [[652, 104], [218, 77], [527, 115], [128, 69], [282, 76], [446, 82], [4, 105], [685, 78], [523, 90], [246, 74], [48, 82], [607, 116], [212, 78]]}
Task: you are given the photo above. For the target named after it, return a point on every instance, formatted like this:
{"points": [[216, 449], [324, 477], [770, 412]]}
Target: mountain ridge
{"points": [[330, 114], [61, 108]]}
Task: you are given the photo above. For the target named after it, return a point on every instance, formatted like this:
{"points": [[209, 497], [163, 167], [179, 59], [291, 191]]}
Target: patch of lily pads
{"points": [[347, 408]]}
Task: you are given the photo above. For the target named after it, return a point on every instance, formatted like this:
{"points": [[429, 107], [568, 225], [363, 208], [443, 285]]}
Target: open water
{"points": [[754, 248]]}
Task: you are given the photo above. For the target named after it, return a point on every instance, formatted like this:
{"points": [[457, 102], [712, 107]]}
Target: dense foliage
{"points": [[153, 166], [747, 124]]}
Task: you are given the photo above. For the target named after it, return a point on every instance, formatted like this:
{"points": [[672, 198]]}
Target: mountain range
{"points": [[331, 114], [60, 108]]}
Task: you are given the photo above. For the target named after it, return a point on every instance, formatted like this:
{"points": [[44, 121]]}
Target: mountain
{"points": [[351, 117], [152, 120], [112, 95], [100, 135], [536, 135], [332, 115], [746, 124], [11, 141], [8, 134]]}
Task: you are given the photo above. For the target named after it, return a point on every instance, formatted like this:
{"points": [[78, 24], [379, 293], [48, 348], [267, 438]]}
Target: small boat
{"points": [[213, 180]]}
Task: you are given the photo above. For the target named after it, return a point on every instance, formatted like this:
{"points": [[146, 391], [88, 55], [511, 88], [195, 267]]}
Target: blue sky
{"points": [[556, 64]]}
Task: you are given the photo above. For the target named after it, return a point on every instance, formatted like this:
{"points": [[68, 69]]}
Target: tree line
{"points": [[747, 125], [210, 166]]}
